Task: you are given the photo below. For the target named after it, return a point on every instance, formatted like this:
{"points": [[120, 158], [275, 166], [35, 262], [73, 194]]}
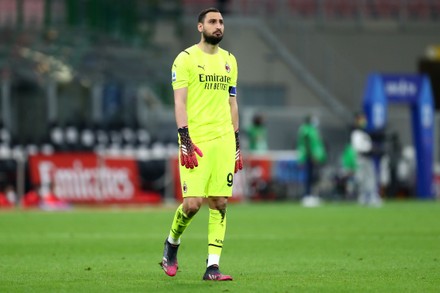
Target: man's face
{"points": [[212, 28]]}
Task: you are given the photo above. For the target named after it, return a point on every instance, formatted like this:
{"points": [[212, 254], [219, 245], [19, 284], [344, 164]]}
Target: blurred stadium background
{"points": [[87, 108]]}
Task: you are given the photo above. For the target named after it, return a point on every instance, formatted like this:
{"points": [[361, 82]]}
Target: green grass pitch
{"points": [[269, 247]]}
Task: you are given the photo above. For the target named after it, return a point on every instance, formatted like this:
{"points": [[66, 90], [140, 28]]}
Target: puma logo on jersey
{"points": [[200, 66]]}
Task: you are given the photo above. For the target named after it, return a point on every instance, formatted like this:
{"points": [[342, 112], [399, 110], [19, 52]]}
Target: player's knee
{"points": [[190, 208], [218, 203], [191, 211]]}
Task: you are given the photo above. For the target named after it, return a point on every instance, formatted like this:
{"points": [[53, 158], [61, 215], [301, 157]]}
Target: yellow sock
{"points": [[216, 231], [180, 222]]}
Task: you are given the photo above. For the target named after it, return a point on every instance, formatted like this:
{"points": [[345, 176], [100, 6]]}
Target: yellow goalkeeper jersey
{"points": [[210, 79]]}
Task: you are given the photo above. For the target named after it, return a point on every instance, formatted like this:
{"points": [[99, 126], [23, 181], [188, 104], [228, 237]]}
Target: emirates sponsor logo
{"points": [[80, 183]]}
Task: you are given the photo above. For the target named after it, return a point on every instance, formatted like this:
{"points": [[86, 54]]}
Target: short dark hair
{"points": [[203, 13]]}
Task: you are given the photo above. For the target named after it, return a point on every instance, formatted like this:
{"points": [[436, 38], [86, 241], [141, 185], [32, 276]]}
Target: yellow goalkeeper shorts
{"points": [[215, 174]]}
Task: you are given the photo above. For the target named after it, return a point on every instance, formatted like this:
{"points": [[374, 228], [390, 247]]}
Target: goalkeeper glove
{"points": [[238, 158], [188, 150]]}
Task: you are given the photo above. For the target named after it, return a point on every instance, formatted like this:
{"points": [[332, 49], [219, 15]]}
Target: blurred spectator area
{"points": [[94, 75], [104, 65], [327, 9], [83, 63]]}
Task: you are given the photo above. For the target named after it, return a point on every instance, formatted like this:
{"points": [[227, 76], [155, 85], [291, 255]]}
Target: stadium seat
{"points": [[5, 151], [71, 135], [434, 7], [57, 137], [5, 134], [385, 9], [418, 9], [195, 6], [47, 149], [304, 8], [87, 139], [340, 9]]}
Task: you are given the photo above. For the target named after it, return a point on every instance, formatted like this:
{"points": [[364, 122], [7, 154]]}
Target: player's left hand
{"points": [[238, 157]]}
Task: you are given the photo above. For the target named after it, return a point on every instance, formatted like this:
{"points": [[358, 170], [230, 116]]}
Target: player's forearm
{"points": [[234, 112], [181, 115]]}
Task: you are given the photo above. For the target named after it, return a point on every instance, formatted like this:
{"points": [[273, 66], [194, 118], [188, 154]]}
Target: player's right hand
{"points": [[188, 156], [188, 150]]}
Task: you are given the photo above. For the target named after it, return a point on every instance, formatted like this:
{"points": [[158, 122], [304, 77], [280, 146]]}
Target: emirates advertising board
{"points": [[86, 177]]}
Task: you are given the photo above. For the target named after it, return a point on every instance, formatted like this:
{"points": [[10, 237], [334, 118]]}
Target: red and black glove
{"points": [[188, 150], [238, 158]]}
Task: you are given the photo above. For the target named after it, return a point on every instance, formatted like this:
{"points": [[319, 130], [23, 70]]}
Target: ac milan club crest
{"points": [[228, 69]]}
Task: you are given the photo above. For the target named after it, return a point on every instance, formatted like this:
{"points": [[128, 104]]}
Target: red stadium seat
{"points": [[306, 8], [382, 9], [343, 9], [195, 6], [418, 9], [434, 7]]}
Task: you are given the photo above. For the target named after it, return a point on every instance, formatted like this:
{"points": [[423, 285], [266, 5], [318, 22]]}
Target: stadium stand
{"points": [[306, 55]]}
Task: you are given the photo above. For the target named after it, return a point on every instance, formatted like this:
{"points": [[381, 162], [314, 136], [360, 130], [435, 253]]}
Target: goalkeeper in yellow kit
{"points": [[204, 79]]}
